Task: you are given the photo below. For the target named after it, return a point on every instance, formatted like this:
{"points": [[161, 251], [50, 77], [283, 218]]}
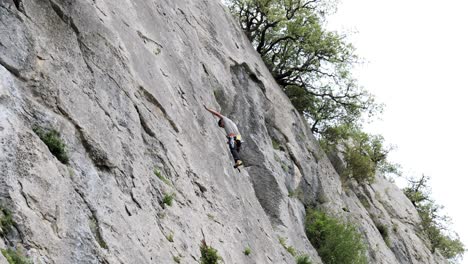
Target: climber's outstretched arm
{"points": [[213, 112]]}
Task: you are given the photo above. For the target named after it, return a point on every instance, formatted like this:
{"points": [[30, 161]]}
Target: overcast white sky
{"points": [[417, 53]]}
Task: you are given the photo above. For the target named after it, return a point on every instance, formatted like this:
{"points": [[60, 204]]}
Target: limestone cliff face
{"points": [[124, 82]]}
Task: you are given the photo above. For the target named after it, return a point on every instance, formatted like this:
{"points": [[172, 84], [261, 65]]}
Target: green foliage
{"points": [[363, 153], [158, 174], [433, 224], [294, 193], [289, 249], [168, 199], [364, 201], [211, 217], [53, 141], [94, 227], [336, 242], [247, 251], [303, 259], [6, 222], [15, 256], [383, 230], [276, 144], [310, 63], [209, 255], [176, 259], [170, 237]]}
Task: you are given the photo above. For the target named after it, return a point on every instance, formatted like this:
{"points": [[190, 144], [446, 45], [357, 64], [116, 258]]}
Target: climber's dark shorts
{"points": [[235, 144]]}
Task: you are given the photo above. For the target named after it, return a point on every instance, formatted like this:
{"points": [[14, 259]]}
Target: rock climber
{"points": [[232, 133]]}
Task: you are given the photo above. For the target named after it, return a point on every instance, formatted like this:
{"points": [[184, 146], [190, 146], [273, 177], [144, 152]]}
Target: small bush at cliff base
{"points": [[303, 259], [209, 255], [53, 141], [336, 242]]}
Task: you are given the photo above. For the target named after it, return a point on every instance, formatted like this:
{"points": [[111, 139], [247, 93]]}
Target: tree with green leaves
{"points": [[310, 63], [363, 153], [434, 224]]}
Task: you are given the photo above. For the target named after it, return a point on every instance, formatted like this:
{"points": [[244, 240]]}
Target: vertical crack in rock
{"points": [[97, 155], [150, 98], [64, 17], [93, 221], [135, 200], [26, 200], [12, 70], [19, 5], [143, 123], [68, 20], [154, 46], [185, 16]]}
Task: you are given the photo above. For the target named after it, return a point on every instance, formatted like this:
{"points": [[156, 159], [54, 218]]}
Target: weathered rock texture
{"points": [[124, 82]]}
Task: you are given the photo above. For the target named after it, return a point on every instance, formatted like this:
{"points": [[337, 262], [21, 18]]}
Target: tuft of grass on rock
{"points": [[303, 259], [290, 249], [158, 174], [170, 237], [54, 142], [168, 199], [209, 255]]}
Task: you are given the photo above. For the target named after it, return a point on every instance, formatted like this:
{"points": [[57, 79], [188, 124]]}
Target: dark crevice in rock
{"points": [[97, 155], [128, 211], [205, 70], [185, 16], [150, 98], [100, 10], [96, 230], [68, 20], [202, 188], [135, 200], [64, 17], [84, 49], [12, 70], [163, 73], [144, 124], [93, 220], [24, 195], [236, 68], [147, 39], [19, 5], [295, 160]]}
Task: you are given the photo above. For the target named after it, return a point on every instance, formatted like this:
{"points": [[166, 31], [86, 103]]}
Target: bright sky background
{"points": [[417, 56]]}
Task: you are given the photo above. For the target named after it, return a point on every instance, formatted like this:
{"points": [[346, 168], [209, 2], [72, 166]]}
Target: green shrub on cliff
{"points": [[209, 255], [364, 154], [6, 221], [336, 242], [53, 141], [15, 256], [303, 259]]}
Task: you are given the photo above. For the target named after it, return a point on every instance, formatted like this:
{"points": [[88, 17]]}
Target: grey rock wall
{"points": [[124, 82]]}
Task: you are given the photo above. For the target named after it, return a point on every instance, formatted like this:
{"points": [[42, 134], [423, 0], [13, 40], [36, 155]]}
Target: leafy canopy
{"points": [[310, 63], [364, 154], [433, 224]]}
